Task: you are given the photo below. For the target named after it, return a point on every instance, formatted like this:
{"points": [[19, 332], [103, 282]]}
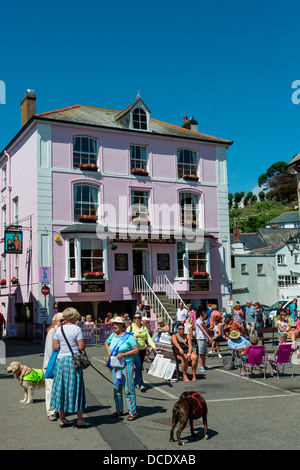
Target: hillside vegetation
{"points": [[256, 215]]}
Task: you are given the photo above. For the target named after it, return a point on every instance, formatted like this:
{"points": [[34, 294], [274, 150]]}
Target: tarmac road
{"points": [[243, 414]]}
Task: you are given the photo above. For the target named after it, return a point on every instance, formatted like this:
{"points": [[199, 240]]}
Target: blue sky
{"points": [[230, 64]]}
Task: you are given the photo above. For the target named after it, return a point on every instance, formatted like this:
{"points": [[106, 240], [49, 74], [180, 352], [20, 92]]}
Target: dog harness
{"points": [[196, 397], [35, 375]]}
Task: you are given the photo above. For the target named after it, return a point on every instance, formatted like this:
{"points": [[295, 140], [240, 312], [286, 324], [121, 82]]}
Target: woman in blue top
{"points": [[125, 351]]}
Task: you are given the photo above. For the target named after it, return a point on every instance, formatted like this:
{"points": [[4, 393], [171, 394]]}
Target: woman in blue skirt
{"points": [[68, 392]]}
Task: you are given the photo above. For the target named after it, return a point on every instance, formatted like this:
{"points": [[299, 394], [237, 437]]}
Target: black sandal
{"points": [[131, 418], [117, 414], [64, 423]]}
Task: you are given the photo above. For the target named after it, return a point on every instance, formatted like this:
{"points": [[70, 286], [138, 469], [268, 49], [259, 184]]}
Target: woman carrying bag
{"points": [[122, 347], [68, 392]]}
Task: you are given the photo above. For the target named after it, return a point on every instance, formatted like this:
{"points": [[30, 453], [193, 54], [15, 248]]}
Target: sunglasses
{"points": [[138, 317]]}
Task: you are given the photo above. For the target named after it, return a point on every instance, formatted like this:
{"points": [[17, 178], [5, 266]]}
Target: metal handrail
{"points": [[140, 284], [164, 285]]}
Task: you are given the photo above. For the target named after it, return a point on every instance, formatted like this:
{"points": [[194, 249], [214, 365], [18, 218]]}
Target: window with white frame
{"points": [[139, 204], [138, 157], [189, 208], [297, 258], [287, 281], [260, 268], [281, 261], [243, 268], [3, 267], [139, 119], [180, 264], [85, 201], [91, 256], [4, 176], [197, 261], [16, 210], [187, 162], [16, 267], [85, 150], [3, 219], [72, 259]]}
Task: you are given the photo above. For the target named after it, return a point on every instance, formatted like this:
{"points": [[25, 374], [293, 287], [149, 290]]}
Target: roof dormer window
{"points": [[139, 119]]}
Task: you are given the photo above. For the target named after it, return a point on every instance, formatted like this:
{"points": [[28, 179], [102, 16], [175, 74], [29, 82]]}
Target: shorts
{"points": [[202, 346]]}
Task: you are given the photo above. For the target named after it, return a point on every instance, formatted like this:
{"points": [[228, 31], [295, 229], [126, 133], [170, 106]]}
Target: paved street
{"points": [[243, 414]]}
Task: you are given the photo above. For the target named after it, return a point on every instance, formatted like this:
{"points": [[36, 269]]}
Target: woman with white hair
{"points": [[68, 392], [57, 320]]}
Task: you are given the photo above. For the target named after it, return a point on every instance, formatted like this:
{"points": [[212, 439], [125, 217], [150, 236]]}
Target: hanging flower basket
{"points": [[139, 172], [190, 177], [3, 282], [93, 275], [200, 275], [14, 280], [140, 220], [87, 218], [88, 166]]}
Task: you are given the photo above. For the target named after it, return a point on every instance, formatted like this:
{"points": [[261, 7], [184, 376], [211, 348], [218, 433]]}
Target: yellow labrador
{"points": [[29, 379]]}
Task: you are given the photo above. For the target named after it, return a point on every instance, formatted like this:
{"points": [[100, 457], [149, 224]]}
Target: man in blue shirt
{"points": [[236, 341], [250, 318]]}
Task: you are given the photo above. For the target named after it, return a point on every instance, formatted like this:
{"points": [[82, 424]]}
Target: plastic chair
{"points": [[283, 358], [255, 359]]}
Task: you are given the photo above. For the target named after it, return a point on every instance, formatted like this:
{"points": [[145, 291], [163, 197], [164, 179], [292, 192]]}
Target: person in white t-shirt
{"points": [[180, 316], [202, 335]]}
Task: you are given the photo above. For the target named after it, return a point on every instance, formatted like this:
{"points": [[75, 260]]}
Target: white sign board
{"points": [[230, 303], [159, 366]]}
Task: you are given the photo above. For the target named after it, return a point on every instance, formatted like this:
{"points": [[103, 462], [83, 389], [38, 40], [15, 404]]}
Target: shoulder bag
{"points": [[80, 359]]}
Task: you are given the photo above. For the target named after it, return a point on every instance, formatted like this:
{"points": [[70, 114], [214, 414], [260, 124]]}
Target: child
{"points": [[218, 335], [202, 335]]}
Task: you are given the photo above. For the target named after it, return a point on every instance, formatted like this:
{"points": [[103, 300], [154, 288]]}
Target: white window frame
{"points": [[78, 243], [189, 212], [141, 207], [281, 260], [287, 281], [4, 177], [245, 269], [260, 268], [138, 161], [89, 203], [188, 167], [92, 156], [16, 210]]}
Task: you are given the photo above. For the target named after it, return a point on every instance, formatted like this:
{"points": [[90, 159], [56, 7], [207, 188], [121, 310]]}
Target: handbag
{"points": [[49, 374], [80, 359], [229, 362]]}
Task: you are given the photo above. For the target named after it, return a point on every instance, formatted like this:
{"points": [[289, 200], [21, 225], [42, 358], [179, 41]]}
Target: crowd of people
{"points": [[132, 342]]}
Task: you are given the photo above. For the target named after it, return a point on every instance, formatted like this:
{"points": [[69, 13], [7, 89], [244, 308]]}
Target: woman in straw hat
{"points": [[122, 347]]}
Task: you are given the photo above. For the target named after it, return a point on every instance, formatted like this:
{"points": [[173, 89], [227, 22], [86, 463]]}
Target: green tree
{"points": [[273, 170]]}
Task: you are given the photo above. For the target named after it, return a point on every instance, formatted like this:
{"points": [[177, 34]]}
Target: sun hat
{"points": [[234, 334], [117, 320], [145, 318], [160, 320]]}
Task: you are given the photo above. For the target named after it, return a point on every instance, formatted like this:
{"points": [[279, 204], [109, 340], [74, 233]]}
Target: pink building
{"points": [[111, 193]]}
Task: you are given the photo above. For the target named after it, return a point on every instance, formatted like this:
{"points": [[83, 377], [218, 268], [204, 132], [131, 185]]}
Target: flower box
{"points": [[191, 177], [87, 218], [200, 275], [139, 172], [14, 280], [88, 166], [191, 223], [93, 275], [3, 282], [140, 220]]}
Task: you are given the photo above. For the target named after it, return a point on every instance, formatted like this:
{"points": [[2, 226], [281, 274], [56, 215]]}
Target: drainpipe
{"points": [[8, 265]]}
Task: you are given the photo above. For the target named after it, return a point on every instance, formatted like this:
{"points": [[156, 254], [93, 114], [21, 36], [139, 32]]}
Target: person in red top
{"points": [[2, 324]]}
